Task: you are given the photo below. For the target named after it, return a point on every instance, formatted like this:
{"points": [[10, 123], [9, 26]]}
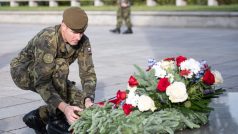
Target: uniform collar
{"points": [[64, 47], [61, 43]]}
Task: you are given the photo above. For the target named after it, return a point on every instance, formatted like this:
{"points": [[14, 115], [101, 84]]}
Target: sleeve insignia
{"points": [[48, 58], [89, 50]]}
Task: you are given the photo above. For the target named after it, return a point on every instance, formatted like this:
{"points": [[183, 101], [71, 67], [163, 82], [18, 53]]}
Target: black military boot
{"points": [[33, 120], [128, 31], [58, 125], [116, 30]]}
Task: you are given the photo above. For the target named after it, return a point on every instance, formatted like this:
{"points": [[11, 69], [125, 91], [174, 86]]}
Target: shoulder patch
{"points": [[89, 50], [48, 58]]}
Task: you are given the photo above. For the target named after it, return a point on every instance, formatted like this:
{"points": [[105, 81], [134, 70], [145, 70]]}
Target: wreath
{"points": [[172, 94]]}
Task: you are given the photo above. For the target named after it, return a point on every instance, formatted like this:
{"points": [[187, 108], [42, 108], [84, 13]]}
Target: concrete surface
{"points": [[114, 56]]}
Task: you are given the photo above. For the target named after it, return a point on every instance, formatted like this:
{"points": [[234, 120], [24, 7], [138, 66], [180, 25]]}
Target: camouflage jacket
{"points": [[47, 46]]}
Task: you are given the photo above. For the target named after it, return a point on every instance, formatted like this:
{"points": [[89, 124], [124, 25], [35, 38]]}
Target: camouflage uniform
{"points": [[43, 67], [123, 13]]}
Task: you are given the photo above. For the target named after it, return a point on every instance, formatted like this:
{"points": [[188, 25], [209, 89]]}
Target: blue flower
{"points": [[151, 62]]}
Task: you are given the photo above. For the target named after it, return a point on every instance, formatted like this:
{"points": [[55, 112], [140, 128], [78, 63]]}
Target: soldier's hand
{"points": [[88, 102], [70, 113]]}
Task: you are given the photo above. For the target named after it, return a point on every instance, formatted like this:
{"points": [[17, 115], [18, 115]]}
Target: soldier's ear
{"points": [[63, 26]]}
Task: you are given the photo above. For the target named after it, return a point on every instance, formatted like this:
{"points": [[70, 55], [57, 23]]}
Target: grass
{"points": [[227, 8]]}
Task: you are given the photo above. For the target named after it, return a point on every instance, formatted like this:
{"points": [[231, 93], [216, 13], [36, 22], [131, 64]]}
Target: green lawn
{"points": [[227, 8]]}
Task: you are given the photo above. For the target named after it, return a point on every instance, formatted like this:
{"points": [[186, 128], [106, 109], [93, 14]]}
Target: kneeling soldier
{"points": [[43, 67]]}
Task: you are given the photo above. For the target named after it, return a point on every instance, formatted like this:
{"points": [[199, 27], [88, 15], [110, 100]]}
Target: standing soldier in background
{"points": [[123, 13], [43, 67]]}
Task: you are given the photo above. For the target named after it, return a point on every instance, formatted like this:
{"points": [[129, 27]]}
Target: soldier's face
{"points": [[70, 36]]}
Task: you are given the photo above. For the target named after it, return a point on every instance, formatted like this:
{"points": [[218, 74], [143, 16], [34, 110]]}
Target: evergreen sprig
{"points": [[103, 120]]}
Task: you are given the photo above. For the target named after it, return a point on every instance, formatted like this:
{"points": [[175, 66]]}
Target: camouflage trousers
{"points": [[22, 75], [124, 14]]}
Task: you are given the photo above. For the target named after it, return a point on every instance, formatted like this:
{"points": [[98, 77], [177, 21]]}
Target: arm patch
{"points": [[48, 58]]}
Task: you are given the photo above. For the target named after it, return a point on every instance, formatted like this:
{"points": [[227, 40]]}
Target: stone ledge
{"points": [[139, 18]]}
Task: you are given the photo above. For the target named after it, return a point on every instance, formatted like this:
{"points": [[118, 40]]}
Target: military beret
{"points": [[76, 19]]}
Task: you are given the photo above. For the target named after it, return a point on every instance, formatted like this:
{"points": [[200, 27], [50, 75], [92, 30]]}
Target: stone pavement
{"points": [[114, 56]]}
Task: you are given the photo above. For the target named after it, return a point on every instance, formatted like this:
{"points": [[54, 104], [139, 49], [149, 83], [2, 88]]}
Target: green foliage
{"points": [[86, 2], [227, 2], [166, 2], [197, 2], [107, 120], [201, 102], [110, 2], [147, 80], [138, 2]]}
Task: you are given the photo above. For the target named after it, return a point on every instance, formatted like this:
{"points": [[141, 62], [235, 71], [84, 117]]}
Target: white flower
{"points": [[218, 77], [192, 65], [177, 92], [132, 99], [131, 89], [159, 72], [170, 77], [167, 65], [145, 103]]}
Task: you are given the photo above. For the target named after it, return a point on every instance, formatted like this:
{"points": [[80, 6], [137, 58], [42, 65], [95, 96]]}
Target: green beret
{"points": [[76, 19]]}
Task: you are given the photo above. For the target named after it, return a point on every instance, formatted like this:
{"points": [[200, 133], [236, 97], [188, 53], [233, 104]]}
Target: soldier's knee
{"points": [[44, 113]]}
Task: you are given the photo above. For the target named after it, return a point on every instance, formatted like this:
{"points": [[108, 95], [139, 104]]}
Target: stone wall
{"points": [[163, 19]]}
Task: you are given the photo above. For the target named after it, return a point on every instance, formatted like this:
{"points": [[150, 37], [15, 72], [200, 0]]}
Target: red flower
{"points": [[163, 84], [208, 77], [132, 81], [184, 72], [180, 59], [115, 101], [101, 103], [127, 108], [169, 59], [121, 95]]}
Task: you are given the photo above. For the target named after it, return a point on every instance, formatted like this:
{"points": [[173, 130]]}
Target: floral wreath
{"points": [[171, 95]]}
